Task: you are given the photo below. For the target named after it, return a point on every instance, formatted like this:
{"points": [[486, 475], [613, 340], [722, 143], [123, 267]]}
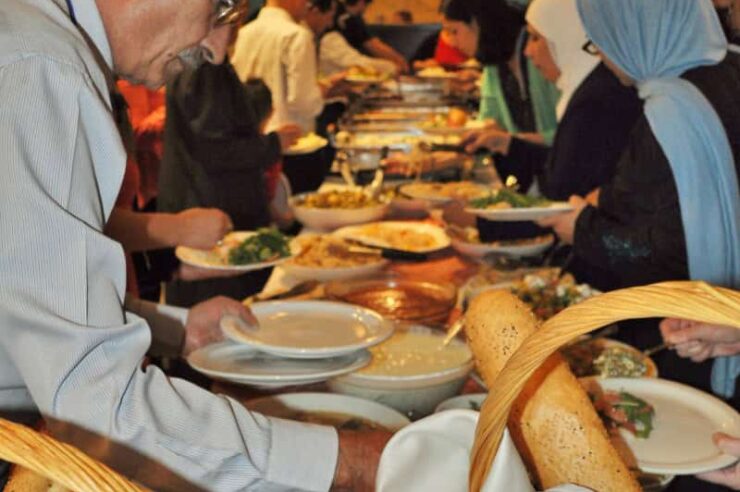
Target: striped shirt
{"points": [[68, 348]]}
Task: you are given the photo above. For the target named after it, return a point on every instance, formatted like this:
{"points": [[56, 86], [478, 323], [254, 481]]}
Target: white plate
{"points": [[366, 79], [241, 364], [450, 130], [423, 192], [521, 214], [283, 406], [685, 419], [309, 329], [307, 144], [332, 218], [479, 250], [208, 259], [368, 234], [471, 401]]}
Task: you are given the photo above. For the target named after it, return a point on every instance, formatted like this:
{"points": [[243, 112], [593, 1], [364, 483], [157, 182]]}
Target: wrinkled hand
{"points": [[564, 225], [359, 456], [700, 341], [288, 135], [202, 228], [730, 476], [202, 327], [491, 138]]}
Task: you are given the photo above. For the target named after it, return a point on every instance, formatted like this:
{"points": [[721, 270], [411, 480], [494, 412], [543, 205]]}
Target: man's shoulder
{"points": [[32, 32]]}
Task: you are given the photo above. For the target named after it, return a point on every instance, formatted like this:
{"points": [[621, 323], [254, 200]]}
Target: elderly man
{"points": [[68, 348]]}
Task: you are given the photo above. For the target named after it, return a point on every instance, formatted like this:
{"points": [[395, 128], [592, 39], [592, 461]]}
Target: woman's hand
{"points": [[730, 476], [202, 228], [492, 139], [700, 341], [564, 225]]}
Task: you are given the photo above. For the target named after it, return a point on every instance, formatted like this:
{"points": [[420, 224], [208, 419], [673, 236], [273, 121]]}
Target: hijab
{"points": [[559, 23], [654, 42]]}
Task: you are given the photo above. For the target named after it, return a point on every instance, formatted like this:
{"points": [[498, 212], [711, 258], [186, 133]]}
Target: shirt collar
{"points": [[275, 13], [88, 19]]}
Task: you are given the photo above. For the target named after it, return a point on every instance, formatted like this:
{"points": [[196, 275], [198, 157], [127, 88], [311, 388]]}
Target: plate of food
{"points": [[605, 358], [365, 75], [337, 208], [455, 121], [435, 73], [546, 291], [414, 237], [507, 205], [308, 329], [325, 258], [667, 426], [441, 193], [307, 144], [241, 364], [467, 241], [243, 251]]}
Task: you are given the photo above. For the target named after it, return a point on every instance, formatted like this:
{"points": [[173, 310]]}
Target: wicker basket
{"points": [[59, 462], [687, 300]]}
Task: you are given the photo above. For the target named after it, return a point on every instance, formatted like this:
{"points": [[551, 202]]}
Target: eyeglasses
{"points": [[590, 48], [229, 11]]}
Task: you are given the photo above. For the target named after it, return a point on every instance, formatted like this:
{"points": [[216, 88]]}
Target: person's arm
{"points": [[199, 228], [303, 95], [377, 48], [212, 104], [66, 337], [337, 53]]}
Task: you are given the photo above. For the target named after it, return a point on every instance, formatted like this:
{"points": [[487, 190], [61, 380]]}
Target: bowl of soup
{"points": [[411, 372]]}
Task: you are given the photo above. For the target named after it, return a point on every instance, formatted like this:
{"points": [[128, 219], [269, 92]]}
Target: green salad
{"points": [[508, 198], [266, 245], [625, 410]]}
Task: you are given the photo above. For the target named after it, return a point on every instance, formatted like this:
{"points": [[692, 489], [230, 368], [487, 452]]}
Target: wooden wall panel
{"points": [[422, 10]]}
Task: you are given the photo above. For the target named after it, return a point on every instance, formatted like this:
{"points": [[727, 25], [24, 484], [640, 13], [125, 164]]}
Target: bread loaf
{"points": [[553, 423]]}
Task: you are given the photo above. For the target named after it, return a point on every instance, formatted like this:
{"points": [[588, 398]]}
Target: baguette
{"points": [[552, 422]]}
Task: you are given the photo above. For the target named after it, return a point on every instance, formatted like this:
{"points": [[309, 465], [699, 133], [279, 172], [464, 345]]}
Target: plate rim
{"points": [[720, 461], [386, 329], [520, 214], [342, 233], [359, 359], [308, 150], [181, 253]]}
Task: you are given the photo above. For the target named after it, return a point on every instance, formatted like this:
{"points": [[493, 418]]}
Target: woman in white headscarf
{"points": [[595, 112]]}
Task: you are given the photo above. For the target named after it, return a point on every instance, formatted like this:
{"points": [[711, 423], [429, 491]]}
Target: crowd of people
{"points": [[626, 108]]}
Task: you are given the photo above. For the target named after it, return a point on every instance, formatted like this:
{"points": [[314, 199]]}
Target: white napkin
{"points": [[433, 454]]}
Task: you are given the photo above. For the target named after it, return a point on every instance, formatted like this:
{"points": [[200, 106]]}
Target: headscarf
{"points": [[559, 23], [654, 42]]}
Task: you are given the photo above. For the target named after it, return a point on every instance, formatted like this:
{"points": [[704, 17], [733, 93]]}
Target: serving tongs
{"points": [[359, 248]]}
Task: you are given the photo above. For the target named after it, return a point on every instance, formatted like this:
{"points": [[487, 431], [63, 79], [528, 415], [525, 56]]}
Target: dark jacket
{"points": [[590, 137], [215, 156], [637, 231]]}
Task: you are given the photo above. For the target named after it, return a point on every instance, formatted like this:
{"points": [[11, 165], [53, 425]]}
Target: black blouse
{"points": [[589, 140], [636, 232]]}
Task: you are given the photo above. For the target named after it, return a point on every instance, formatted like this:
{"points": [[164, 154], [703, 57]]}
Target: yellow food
{"points": [[399, 238], [412, 354], [329, 252], [461, 190], [338, 199]]}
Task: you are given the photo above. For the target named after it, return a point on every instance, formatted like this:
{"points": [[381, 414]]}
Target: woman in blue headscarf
{"points": [[672, 210]]}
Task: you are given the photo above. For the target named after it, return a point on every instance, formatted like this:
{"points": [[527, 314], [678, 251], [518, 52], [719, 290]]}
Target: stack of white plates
{"points": [[296, 343]]}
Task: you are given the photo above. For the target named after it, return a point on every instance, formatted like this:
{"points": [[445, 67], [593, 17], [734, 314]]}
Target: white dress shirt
{"points": [[282, 53], [337, 55], [68, 349]]}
